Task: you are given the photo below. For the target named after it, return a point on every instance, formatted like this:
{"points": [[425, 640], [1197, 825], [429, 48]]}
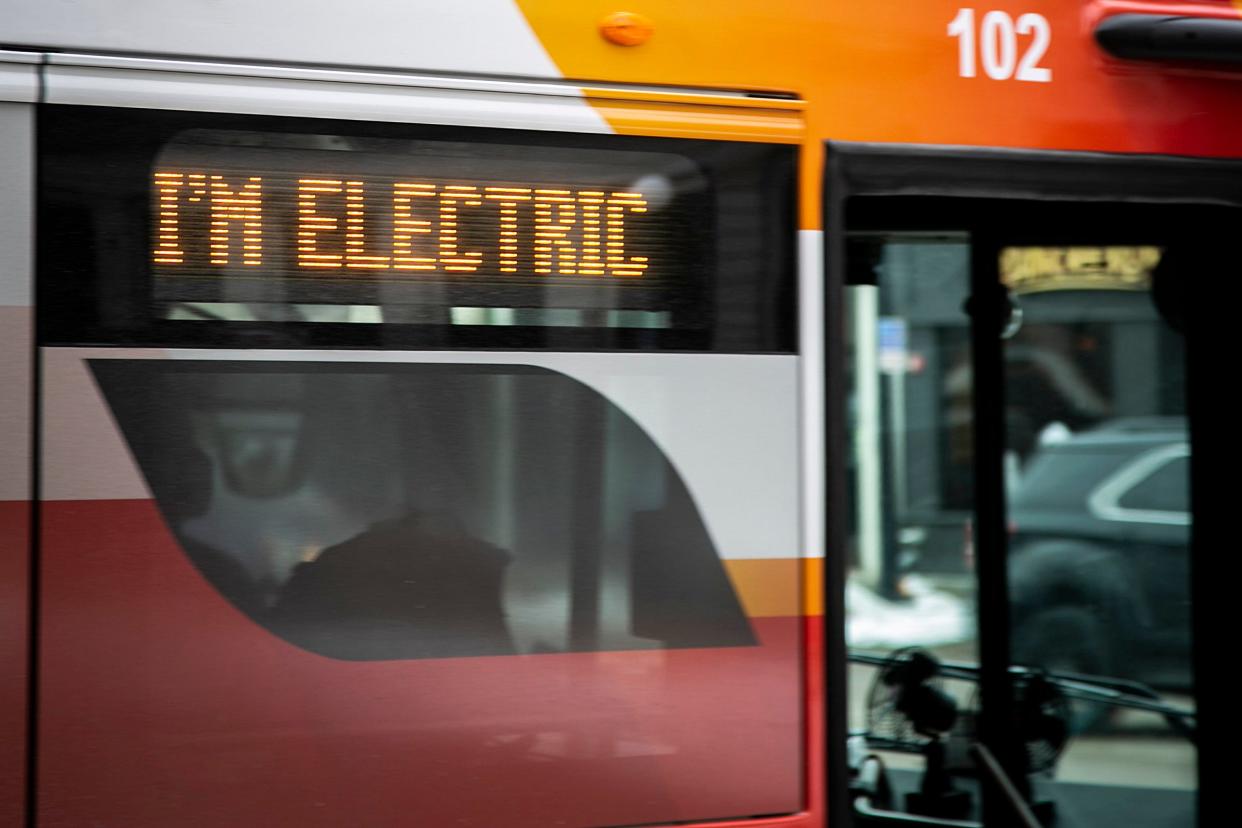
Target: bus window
{"points": [[424, 511]]}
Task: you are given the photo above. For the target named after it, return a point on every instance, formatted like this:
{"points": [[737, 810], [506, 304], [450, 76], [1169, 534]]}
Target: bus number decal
{"points": [[997, 48]]}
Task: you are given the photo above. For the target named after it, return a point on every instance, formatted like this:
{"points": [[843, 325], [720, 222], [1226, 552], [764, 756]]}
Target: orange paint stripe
{"points": [[698, 99], [770, 587], [810, 186], [783, 125], [748, 119]]}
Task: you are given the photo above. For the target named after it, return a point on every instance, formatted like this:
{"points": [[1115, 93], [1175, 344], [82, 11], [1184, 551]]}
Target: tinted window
{"points": [[420, 511]]}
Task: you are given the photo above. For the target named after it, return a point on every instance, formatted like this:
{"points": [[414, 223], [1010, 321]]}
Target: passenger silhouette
{"points": [[182, 478], [421, 585], [418, 586]]}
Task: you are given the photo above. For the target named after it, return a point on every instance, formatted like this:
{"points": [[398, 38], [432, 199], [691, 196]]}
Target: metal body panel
{"points": [[16, 400], [463, 82], [403, 97], [387, 33], [19, 80], [182, 88]]}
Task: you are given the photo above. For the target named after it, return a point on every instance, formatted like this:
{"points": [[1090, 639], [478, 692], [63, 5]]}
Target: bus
{"points": [[478, 414]]}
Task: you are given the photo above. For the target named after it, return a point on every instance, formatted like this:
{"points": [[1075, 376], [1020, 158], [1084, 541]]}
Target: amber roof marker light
{"points": [[626, 28]]}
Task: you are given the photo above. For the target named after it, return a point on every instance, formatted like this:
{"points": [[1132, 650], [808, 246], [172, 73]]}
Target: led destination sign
{"points": [[259, 224], [205, 228], [285, 224]]}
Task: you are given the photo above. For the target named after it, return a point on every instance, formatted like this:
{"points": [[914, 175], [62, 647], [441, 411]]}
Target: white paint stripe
{"points": [[464, 36], [811, 388], [189, 91], [84, 454], [18, 82]]}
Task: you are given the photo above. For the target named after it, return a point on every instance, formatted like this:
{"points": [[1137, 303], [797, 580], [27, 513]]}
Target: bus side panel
{"points": [[176, 710], [16, 137], [163, 704], [485, 37]]}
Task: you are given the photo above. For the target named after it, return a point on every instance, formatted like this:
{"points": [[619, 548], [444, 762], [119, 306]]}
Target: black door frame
{"points": [[887, 179]]}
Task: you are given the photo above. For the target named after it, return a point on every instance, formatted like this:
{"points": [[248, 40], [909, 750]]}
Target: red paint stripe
{"points": [[14, 654], [162, 705]]}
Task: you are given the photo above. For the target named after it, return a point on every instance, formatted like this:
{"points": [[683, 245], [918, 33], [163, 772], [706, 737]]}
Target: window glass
{"points": [[424, 511], [1095, 393], [911, 582], [1094, 433]]}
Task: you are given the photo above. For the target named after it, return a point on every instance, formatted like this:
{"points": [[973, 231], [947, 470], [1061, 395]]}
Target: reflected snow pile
{"points": [[928, 618]]}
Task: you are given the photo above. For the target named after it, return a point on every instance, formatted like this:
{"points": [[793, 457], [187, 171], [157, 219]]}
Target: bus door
{"points": [[1026, 388], [403, 464]]}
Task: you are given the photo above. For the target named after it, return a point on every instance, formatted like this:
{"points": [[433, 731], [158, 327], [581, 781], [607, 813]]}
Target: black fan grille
{"points": [[885, 723], [1043, 721]]}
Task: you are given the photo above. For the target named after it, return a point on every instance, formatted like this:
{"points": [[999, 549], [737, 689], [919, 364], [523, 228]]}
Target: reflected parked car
{"points": [[1099, 565]]}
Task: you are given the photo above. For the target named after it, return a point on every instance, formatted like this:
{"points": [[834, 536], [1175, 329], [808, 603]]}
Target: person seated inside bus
{"points": [[418, 586], [182, 476]]}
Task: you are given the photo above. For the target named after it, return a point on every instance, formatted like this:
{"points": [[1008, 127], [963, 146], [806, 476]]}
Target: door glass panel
{"points": [[1097, 449], [1095, 457], [911, 432]]}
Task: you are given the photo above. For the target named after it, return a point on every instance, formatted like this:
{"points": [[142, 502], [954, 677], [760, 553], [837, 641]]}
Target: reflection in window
{"points": [[1165, 490], [420, 511], [1094, 417]]}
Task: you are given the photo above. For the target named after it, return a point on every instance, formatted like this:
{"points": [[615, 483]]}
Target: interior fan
{"points": [[1042, 717], [1041, 725], [904, 683], [1043, 721], [907, 708]]}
